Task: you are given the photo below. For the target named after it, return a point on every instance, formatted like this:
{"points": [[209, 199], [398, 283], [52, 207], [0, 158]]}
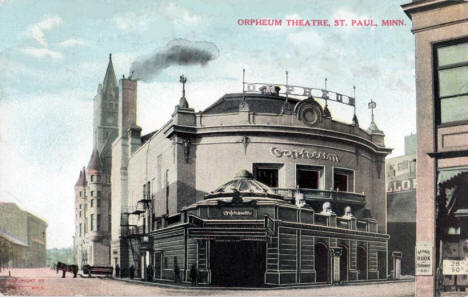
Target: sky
{"points": [[54, 53]]}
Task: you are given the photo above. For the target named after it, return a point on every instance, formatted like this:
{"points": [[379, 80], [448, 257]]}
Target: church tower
{"points": [[105, 125], [93, 189]]}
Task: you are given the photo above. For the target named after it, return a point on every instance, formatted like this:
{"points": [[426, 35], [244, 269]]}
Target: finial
{"points": [[110, 56], [372, 105], [325, 83], [243, 80], [183, 102], [183, 80], [284, 108]]}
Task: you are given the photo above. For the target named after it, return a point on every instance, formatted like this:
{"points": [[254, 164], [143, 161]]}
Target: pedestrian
{"points": [[176, 273], [75, 270], [193, 275], [64, 271], [132, 272], [150, 273], [117, 270]]}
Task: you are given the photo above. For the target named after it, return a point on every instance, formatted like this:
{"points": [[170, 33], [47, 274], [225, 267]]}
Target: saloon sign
{"points": [[405, 185]]}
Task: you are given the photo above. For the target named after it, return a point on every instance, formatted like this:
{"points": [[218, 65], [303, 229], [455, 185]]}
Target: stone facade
{"points": [[24, 234], [294, 146]]}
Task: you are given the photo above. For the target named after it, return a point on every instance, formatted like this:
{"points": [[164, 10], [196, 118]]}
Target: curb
{"points": [[282, 287]]}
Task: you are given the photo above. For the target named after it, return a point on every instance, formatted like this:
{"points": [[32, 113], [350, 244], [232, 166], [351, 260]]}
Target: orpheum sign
{"points": [[303, 154], [236, 212]]}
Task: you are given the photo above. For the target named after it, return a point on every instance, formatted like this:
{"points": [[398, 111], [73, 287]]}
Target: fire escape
{"points": [[134, 234]]}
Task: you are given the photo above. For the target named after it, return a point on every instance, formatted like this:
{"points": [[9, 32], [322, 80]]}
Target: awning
{"points": [[13, 239], [446, 174]]}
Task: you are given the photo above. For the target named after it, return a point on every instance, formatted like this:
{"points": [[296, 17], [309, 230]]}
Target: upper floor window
{"points": [[309, 177], [267, 174], [451, 80], [92, 193], [92, 177], [99, 193], [343, 180], [92, 202]]}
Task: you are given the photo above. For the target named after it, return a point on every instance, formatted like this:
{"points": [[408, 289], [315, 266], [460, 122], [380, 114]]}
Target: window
{"points": [[98, 177], [91, 222], [80, 206], [267, 173], [81, 228], [309, 177], [451, 79], [99, 193], [343, 180], [81, 193], [92, 177], [92, 193], [80, 213], [98, 222], [92, 202], [98, 203], [403, 165]]}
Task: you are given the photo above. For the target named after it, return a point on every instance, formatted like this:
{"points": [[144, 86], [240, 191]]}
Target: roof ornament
{"points": [[183, 101], [326, 111], [243, 105], [373, 126], [285, 109], [355, 119]]}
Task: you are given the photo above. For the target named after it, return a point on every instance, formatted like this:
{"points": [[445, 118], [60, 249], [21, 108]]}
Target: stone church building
{"points": [[92, 189]]}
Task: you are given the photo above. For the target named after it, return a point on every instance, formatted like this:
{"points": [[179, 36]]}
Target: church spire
{"points": [[110, 80]]}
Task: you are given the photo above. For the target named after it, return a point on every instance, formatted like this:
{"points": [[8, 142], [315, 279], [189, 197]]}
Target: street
{"points": [[46, 282]]}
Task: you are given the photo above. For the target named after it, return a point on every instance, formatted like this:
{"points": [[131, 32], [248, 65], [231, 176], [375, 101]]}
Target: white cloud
{"points": [[306, 38], [72, 42], [37, 30], [2, 1], [131, 20], [42, 52], [175, 12]]}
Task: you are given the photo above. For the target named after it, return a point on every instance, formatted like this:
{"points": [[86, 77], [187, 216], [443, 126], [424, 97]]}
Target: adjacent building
{"points": [[441, 34], [261, 187], [93, 189], [401, 207], [22, 237]]}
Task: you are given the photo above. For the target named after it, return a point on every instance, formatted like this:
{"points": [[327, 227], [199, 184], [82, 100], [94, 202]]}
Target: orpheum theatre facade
{"points": [[260, 188]]}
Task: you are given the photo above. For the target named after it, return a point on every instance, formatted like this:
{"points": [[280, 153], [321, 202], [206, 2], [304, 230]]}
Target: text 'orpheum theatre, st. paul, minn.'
{"points": [[263, 187]]}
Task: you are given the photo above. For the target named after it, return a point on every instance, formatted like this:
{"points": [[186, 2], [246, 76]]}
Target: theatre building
{"points": [[262, 187]]}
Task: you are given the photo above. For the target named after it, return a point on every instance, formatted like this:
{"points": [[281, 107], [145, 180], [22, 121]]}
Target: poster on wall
{"points": [[192, 147]]}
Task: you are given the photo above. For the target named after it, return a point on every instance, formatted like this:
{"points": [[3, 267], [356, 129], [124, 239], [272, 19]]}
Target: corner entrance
{"points": [[237, 263]]}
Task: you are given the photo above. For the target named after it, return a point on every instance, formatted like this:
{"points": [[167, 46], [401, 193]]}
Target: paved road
{"points": [[45, 282]]}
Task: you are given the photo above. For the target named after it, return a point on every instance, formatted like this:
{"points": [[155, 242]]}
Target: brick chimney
{"points": [[127, 104]]}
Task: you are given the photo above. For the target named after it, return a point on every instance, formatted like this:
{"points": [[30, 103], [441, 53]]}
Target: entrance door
{"points": [[382, 259], [362, 262], [237, 263], [157, 265], [344, 263], [322, 263]]}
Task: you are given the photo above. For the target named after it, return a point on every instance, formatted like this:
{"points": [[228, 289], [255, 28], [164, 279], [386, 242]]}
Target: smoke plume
{"points": [[177, 52]]}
